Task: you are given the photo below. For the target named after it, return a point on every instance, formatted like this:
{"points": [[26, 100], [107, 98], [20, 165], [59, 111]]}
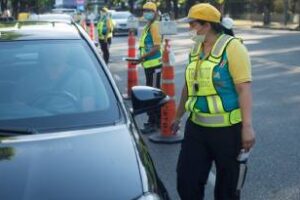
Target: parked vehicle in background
{"points": [[65, 132], [120, 19], [69, 11]]}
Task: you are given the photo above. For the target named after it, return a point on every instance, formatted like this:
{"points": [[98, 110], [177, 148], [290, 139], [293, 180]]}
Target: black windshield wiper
{"points": [[17, 131]]}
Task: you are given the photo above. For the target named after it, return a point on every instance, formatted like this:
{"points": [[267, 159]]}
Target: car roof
{"points": [[37, 30]]}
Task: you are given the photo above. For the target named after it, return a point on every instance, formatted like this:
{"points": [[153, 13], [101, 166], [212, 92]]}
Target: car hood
{"points": [[89, 164]]}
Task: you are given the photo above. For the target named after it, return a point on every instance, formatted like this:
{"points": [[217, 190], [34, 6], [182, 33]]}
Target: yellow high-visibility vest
{"points": [[199, 81], [145, 46], [105, 28]]}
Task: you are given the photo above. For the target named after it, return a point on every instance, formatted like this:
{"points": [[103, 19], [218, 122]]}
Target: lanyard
{"points": [[198, 64]]}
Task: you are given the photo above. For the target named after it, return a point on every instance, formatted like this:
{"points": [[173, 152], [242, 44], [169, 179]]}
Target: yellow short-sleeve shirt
{"points": [[239, 62], [154, 30]]}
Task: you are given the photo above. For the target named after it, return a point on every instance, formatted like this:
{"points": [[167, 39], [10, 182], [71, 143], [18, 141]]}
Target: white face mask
{"points": [[195, 37], [199, 38], [192, 33]]}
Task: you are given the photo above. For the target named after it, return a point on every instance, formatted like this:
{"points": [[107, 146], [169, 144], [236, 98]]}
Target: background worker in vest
{"points": [[150, 58], [217, 94], [105, 33]]}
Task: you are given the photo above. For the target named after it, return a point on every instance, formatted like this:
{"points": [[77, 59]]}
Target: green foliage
{"points": [[278, 6], [34, 5]]}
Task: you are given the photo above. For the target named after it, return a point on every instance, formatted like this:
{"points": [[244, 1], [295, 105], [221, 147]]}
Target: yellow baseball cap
{"points": [[150, 6], [205, 12]]}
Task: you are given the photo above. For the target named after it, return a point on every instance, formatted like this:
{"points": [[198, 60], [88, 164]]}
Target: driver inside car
{"points": [[57, 86]]}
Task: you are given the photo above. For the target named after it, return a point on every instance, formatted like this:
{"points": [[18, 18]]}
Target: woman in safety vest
{"points": [[217, 94], [151, 59], [105, 33]]}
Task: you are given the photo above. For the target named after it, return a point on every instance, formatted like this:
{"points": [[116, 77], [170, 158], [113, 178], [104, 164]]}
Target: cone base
{"points": [[158, 138]]}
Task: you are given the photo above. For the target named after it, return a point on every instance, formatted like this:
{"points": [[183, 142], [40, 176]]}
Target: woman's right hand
{"points": [[175, 126]]}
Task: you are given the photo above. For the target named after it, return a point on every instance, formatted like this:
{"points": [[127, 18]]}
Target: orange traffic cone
{"points": [[168, 111], [132, 69], [92, 31]]}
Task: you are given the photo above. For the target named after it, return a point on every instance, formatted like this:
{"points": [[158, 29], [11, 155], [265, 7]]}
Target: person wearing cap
{"points": [[105, 33], [151, 59], [217, 94]]}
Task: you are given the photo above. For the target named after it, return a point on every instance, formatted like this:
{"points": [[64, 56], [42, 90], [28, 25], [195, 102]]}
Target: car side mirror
{"points": [[146, 98]]}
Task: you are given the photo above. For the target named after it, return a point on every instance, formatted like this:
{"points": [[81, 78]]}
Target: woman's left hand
{"points": [[248, 137]]}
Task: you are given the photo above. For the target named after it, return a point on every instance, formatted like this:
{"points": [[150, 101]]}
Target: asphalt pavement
{"points": [[274, 164]]}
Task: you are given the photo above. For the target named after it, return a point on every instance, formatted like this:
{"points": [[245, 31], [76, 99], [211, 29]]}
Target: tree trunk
{"points": [[23, 6], [175, 3], [3, 5], [298, 13], [267, 13], [37, 7], [131, 4], [168, 6], [15, 7], [286, 14], [189, 4], [220, 7]]}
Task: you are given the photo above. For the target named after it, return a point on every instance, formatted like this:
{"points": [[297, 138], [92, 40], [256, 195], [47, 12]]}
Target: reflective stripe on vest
{"points": [[215, 104], [151, 63], [190, 103], [143, 37], [217, 120], [148, 63], [217, 116], [195, 52]]}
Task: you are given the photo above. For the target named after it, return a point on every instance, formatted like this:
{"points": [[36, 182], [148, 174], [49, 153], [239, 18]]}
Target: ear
{"points": [[207, 26]]}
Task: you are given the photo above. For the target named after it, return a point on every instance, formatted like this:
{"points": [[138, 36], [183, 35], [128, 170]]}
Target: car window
{"points": [[53, 84], [118, 15]]}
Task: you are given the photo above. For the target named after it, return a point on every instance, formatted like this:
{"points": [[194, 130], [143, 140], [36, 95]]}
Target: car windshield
{"points": [[120, 15], [49, 84]]}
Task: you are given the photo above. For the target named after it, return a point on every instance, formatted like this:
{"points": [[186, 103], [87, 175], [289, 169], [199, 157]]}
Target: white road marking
{"points": [[273, 51]]}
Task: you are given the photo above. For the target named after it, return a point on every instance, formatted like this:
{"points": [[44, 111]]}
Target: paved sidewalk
{"points": [[273, 25], [254, 24]]}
